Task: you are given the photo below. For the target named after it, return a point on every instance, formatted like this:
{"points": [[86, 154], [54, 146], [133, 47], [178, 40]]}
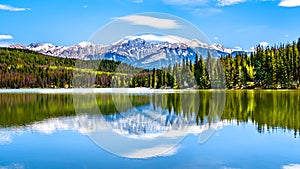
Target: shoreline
{"points": [[120, 90]]}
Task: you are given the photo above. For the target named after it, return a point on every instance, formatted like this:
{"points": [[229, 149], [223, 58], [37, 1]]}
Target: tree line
{"points": [[28, 69], [269, 67], [266, 67]]}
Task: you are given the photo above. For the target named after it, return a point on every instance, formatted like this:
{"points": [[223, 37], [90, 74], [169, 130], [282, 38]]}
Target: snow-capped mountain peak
{"points": [[85, 44], [134, 49], [221, 48], [42, 47]]}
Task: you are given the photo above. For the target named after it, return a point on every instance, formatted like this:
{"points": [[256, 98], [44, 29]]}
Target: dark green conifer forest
{"points": [[267, 68]]}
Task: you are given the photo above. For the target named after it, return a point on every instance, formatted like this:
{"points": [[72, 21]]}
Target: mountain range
{"points": [[137, 52]]}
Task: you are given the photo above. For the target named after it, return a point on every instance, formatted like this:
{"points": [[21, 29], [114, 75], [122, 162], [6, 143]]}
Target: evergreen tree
{"points": [[153, 79]]}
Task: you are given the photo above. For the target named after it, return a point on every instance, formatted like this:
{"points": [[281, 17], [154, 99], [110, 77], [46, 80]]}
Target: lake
{"points": [[150, 129]]}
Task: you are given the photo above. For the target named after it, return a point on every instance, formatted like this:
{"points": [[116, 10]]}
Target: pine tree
{"points": [[153, 78], [298, 44], [236, 72], [197, 72]]}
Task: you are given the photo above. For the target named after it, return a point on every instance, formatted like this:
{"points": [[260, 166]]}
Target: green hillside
{"points": [[28, 69], [269, 67]]}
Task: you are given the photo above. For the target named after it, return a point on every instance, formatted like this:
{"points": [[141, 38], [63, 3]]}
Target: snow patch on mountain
{"points": [[143, 49]]}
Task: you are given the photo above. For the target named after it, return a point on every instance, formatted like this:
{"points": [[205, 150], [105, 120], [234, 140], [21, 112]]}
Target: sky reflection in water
{"points": [[245, 138]]}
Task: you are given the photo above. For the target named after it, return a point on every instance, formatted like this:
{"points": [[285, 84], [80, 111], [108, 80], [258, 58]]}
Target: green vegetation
{"points": [[24, 68], [268, 68], [28, 69]]}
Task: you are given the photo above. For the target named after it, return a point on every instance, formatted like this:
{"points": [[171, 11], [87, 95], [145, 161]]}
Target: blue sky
{"points": [[232, 23]]}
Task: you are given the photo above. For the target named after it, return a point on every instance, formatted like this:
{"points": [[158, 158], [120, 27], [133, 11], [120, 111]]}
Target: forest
{"points": [[269, 67], [28, 69]]}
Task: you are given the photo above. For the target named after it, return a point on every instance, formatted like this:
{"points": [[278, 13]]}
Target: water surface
{"points": [[242, 129]]}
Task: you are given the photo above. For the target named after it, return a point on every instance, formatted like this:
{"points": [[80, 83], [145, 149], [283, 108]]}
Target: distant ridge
{"points": [[132, 50]]}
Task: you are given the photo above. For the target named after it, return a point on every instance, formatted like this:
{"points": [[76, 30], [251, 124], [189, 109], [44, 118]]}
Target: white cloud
{"points": [[4, 44], [151, 21], [10, 8], [5, 138], [13, 166], [291, 166], [152, 37], [85, 6], [82, 124], [186, 2], [216, 38], [205, 11], [229, 2], [5, 37], [289, 3], [160, 150], [264, 44]]}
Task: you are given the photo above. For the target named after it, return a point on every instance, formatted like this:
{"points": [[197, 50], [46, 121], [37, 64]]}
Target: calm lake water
{"points": [[187, 129]]}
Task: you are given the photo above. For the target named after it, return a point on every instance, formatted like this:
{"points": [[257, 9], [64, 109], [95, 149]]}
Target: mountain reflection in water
{"points": [[268, 110]]}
